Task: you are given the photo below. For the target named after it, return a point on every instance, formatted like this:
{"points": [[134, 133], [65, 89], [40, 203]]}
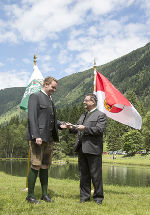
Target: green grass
{"points": [[142, 160], [118, 200]]}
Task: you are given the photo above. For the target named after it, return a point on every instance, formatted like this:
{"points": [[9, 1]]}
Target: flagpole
{"points": [[28, 166], [35, 57], [94, 67], [28, 163], [94, 91]]}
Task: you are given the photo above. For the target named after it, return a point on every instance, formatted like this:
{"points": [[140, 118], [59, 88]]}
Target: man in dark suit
{"points": [[42, 130], [89, 145]]}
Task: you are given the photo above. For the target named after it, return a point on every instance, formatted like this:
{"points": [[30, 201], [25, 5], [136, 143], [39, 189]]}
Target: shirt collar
{"points": [[92, 110], [46, 94]]}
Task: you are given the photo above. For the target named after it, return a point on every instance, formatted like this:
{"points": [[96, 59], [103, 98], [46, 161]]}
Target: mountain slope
{"points": [[130, 72], [72, 89], [10, 97]]}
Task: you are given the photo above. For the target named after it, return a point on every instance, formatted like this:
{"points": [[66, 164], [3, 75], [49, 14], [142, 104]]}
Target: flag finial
{"points": [[35, 57], [94, 64]]}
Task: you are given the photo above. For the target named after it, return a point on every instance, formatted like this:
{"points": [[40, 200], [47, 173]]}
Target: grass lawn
{"points": [[142, 160], [118, 200]]}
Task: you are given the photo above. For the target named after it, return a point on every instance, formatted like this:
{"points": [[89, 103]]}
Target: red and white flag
{"points": [[114, 104]]}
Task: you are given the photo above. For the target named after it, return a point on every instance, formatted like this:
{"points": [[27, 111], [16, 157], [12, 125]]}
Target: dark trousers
{"points": [[90, 169]]}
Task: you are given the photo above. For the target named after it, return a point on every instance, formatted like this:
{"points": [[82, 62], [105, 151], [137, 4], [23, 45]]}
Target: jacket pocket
{"points": [[43, 106]]}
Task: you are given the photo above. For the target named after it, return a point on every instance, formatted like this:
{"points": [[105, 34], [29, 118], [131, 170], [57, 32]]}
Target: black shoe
{"points": [[84, 200], [46, 198], [32, 200], [99, 202]]}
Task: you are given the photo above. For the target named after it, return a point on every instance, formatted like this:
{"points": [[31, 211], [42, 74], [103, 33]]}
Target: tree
{"points": [[114, 132], [73, 114], [67, 142], [131, 96], [20, 143], [12, 139], [132, 141], [146, 131]]}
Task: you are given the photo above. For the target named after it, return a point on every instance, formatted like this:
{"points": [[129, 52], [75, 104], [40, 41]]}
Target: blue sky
{"points": [[67, 35]]}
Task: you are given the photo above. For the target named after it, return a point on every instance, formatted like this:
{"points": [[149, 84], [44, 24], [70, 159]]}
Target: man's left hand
{"points": [[63, 126]]}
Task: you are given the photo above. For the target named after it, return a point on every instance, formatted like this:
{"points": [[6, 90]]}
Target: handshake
{"points": [[70, 126]]}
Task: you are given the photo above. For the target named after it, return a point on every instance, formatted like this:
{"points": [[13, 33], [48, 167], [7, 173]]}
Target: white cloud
{"points": [[15, 80], [26, 60], [64, 57], [2, 24], [42, 46], [145, 4], [1, 64], [105, 51], [105, 41], [74, 67], [56, 45], [46, 58], [10, 59], [42, 19], [38, 20], [45, 64], [7, 37], [46, 68]]}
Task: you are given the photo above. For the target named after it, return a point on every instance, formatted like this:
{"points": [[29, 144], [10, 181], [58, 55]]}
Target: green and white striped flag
{"points": [[35, 85]]}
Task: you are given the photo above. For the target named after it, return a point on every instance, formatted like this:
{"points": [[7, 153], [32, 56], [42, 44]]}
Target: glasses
{"points": [[87, 100]]}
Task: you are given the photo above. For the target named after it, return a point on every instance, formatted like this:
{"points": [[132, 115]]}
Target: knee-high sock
{"points": [[31, 181], [43, 174]]}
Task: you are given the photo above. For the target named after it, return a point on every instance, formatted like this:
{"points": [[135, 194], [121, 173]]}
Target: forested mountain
{"points": [[9, 98], [130, 72]]}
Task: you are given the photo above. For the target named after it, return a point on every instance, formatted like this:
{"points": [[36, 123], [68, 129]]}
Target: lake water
{"points": [[112, 174]]}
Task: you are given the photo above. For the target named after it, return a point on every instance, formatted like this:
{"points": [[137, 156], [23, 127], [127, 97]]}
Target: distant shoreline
{"points": [[120, 160]]}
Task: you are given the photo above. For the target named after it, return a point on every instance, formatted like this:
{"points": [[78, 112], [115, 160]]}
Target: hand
{"points": [[69, 125], [38, 141], [63, 126], [80, 127]]}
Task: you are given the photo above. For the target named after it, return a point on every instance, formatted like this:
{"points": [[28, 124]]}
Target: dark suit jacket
{"points": [[42, 121], [92, 136]]}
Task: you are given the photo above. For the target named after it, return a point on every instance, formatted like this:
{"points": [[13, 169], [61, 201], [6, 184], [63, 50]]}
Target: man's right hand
{"points": [[38, 141]]}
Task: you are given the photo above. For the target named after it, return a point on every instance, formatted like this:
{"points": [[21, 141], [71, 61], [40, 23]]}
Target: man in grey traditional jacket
{"points": [[89, 145], [42, 130]]}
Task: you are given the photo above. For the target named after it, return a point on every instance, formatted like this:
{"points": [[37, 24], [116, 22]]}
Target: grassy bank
{"points": [[141, 160], [65, 193]]}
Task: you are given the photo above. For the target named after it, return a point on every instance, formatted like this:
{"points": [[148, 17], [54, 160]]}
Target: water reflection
{"points": [[69, 171], [121, 175], [126, 175], [18, 168]]}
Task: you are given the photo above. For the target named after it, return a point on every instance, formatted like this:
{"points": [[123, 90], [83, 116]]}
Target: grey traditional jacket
{"points": [[42, 121], [91, 138]]}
